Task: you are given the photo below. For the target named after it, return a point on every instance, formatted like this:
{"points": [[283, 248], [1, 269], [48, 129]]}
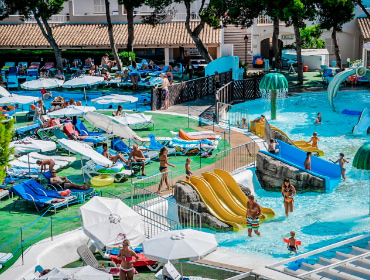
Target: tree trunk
{"points": [[111, 36], [336, 48], [359, 2], [297, 35], [275, 41], [48, 34], [130, 29], [194, 34]]}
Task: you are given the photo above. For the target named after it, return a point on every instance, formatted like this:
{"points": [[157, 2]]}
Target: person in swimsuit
{"points": [[65, 183], [119, 111], [291, 245], [45, 93], [307, 162], [188, 169], [253, 214], [45, 162], [165, 93], [113, 158], [288, 192], [318, 119], [137, 157], [128, 257], [163, 168], [314, 140], [272, 147], [342, 160]]}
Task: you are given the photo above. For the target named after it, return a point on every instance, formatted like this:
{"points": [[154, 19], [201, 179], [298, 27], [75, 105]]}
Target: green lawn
{"points": [[24, 214]]}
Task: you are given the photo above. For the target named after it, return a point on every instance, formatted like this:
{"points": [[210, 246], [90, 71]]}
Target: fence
{"points": [[237, 157], [232, 114], [189, 90], [142, 192]]}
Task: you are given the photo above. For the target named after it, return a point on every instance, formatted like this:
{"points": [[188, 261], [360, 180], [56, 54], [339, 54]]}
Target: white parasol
{"points": [[71, 111], [115, 99], [42, 83], [80, 273]]}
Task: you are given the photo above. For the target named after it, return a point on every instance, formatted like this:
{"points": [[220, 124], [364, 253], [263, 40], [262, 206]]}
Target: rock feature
{"points": [[271, 173], [188, 197]]}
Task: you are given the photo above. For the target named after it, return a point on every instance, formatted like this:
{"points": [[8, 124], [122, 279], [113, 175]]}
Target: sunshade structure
{"points": [[362, 161], [42, 83], [28, 144], [17, 99], [71, 111], [133, 119], [115, 99], [179, 246], [84, 151], [3, 92], [83, 82], [80, 273], [107, 221], [110, 125], [271, 85]]}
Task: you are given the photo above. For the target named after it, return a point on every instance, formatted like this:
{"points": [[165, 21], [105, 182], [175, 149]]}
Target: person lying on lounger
{"points": [[113, 158], [65, 182]]}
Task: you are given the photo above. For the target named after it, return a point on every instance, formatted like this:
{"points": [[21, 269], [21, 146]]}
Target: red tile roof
{"points": [[364, 24], [171, 34]]}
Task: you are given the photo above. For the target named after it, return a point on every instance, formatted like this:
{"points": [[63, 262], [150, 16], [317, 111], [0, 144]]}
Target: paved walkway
{"points": [[200, 105]]}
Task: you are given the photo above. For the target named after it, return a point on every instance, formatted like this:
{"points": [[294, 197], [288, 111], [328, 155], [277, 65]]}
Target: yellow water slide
{"points": [[224, 198]]}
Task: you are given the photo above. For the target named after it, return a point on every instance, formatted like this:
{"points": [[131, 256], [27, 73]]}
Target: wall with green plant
{"points": [[6, 133], [310, 38]]}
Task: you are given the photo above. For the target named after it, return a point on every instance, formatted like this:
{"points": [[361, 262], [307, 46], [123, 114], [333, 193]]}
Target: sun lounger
{"points": [[48, 65], [169, 272], [4, 193], [120, 146], [39, 196], [25, 131], [79, 64], [81, 128], [34, 65], [186, 146], [4, 257], [156, 146], [73, 134], [142, 140]]}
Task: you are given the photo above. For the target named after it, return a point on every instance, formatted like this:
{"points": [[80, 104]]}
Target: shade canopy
{"points": [[273, 81], [83, 81], [28, 144], [84, 151], [71, 111], [80, 273], [18, 99], [3, 92], [108, 221], [115, 99], [42, 83], [362, 158], [179, 245], [110, 125], [133, 119]]}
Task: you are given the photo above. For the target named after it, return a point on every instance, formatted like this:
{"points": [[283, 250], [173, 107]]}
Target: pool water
{"points": [[319, 219]]}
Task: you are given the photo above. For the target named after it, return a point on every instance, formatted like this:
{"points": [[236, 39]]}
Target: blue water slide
{"points": [[319, 167]]}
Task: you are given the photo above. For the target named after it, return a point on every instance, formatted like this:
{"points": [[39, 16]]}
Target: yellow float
{"points": [[102, 180]]}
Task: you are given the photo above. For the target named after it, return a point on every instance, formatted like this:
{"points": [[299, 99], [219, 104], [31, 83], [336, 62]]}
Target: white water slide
{"points": [[363, 123]]}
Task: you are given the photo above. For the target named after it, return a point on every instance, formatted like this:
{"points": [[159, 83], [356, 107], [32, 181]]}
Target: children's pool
{"points": [[319, 219]]}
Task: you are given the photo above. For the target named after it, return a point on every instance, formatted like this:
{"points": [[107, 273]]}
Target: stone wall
{"points": [[272, 172]]}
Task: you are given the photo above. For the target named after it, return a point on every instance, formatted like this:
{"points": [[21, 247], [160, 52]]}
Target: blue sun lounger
{"points": [[120, 146], [84, 131]]}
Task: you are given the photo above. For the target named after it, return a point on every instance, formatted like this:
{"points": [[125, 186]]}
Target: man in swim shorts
{"points": [[65, 183], [342, 160], [253, 213], [137, 155]]}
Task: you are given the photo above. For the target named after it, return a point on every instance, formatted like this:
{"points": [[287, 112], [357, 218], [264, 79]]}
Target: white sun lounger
{"points": [[22, 162]]}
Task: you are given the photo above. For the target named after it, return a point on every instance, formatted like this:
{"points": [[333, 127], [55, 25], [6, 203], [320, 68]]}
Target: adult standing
{"points": [[38, 112], [165, 92], [190, 70], [105, 62], [134, 73], [128, 257], [163, 168], [253, 216], [288, 192]]}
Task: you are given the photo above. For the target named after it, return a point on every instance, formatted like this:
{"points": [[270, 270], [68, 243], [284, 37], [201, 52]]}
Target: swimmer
{"points": [[318, 119], [288, 192], [342, 160], [253, 213], [314, 140], [272, 147], [292, 247], [188, 169], [261, 119], [307, 162]]}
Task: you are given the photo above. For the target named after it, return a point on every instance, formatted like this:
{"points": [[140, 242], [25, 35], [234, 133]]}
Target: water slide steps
{"points": [[363, 124], [358, 269]]}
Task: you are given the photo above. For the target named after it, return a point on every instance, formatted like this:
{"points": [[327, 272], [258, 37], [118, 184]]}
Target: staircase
{"points": [[235, 35], [354, 265]]}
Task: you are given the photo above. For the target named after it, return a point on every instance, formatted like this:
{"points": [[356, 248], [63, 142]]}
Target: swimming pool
{"points": [[319, 219]]}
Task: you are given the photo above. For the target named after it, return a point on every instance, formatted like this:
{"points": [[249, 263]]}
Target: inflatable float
{"points": [[7, 109], [188, 137], [350, 112], [102, 180]]}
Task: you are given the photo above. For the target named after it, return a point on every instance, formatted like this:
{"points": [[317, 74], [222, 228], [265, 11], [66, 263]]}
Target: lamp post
{"points": [[246, 44]]}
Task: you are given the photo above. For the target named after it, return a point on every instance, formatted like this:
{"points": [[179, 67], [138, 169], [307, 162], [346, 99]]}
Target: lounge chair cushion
{"points": [[118, 167]]}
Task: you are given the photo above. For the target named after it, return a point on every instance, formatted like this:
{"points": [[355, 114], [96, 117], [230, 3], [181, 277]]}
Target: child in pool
{"points": [[342, 160], [188, 169], [291, 245], [307, 162], [314, 140], [318, 119], [272, 147]]}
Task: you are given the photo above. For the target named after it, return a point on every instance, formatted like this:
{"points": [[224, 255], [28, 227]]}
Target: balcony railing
{"points": [[182, 17], [53, 19], [266, 20]]}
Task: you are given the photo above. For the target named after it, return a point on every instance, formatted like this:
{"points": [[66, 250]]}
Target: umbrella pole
{"points": [[82, 168], [182, 273], [85, 96], [29, 166]]}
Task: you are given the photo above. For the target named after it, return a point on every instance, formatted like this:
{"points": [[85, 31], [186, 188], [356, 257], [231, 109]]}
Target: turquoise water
{"points": [[319, 219]]}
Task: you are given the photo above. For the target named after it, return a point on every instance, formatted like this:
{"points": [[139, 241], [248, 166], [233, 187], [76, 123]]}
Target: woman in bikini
{"points": [[128, 257], [163, 168], [45, 162], [119, 111], [288, 192]]}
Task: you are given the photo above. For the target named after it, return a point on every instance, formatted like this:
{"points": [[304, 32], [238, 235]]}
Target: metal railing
{"points": [[267, 20], [182, 17], [232, 114], [52, 19], [153, 222], [143, 193], [237, 157]]}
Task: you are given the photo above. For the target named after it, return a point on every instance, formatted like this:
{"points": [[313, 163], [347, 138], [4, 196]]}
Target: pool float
{"points": [[297, 242], [169, 76], [7, 109], [185, 136], [350, 112], [102, 180]]}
